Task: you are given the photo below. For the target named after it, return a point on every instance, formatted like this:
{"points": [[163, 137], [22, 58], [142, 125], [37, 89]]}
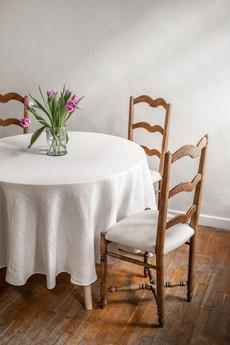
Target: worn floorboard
{"points": [[32, 314]]}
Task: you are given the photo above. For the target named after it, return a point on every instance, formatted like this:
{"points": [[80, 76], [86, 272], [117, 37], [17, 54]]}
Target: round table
{"points": [[54, 208]]}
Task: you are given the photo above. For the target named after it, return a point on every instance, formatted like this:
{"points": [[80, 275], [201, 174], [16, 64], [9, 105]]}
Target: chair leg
{"points": [[191, 267], [146, 257], [104, 244], [158, 194], [160, 288]]}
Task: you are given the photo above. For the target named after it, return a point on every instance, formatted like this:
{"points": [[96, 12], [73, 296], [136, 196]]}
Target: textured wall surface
{"points": [[108, 50]]}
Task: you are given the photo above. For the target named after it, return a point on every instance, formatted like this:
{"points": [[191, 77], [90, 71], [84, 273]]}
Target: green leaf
{"points": [[39, 105], [42, 95], [35, 136], [39, 118], [43, 122]]}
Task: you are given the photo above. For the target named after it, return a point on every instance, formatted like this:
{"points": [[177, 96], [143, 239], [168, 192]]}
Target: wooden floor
{"points": [[32, 314]]}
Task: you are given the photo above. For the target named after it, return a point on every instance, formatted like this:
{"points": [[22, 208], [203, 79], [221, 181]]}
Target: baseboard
{"points": [[211, 221]]}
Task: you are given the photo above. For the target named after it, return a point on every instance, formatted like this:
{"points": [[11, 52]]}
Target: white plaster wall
{"points": [[108, 50]]}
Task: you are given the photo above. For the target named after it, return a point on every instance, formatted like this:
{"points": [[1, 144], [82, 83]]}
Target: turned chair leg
{"points": [[191, 268], [146, 257], [160, 288], [103, 290]]}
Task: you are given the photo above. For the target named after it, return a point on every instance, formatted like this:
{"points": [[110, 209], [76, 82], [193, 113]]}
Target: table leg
{"points": [[87, 297]]}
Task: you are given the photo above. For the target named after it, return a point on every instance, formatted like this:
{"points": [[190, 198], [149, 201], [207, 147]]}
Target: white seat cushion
{"points": [[156, 176], [139, 231]]}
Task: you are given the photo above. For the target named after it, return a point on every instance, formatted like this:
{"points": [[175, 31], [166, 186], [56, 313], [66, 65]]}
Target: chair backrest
{"points": [[13, 120], [196, 185], [159, 102]]}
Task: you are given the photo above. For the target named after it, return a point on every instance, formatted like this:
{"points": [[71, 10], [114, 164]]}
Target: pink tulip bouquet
{"points": [[56, 107]]}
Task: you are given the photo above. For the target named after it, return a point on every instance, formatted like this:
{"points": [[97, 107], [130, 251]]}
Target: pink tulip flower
{"points": [[50, 93], [25, 122], [70, 106], [27, 102], [76, 99]]}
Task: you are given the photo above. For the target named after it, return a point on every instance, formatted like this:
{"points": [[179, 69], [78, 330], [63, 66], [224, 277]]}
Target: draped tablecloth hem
{"points": [[51, 284], [82, 284]]}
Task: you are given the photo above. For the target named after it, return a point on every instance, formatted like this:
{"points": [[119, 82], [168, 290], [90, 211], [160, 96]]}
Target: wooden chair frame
{"points": [[192, 216], [14, 121], [164, 131], [159, 102]]}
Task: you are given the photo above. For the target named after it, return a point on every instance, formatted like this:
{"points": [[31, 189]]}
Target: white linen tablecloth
{"points": [[52, 209]]}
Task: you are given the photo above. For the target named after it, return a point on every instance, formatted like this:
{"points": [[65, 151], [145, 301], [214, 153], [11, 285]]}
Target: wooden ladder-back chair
{"points": [[13, 120], [159, 102], [158, 232]]}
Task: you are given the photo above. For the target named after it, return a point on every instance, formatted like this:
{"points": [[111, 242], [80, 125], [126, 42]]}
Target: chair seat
{"points": [[139, 231], [156, 176]]}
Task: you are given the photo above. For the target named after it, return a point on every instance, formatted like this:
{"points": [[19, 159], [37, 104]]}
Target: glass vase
{"points": [[57, 139]]}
